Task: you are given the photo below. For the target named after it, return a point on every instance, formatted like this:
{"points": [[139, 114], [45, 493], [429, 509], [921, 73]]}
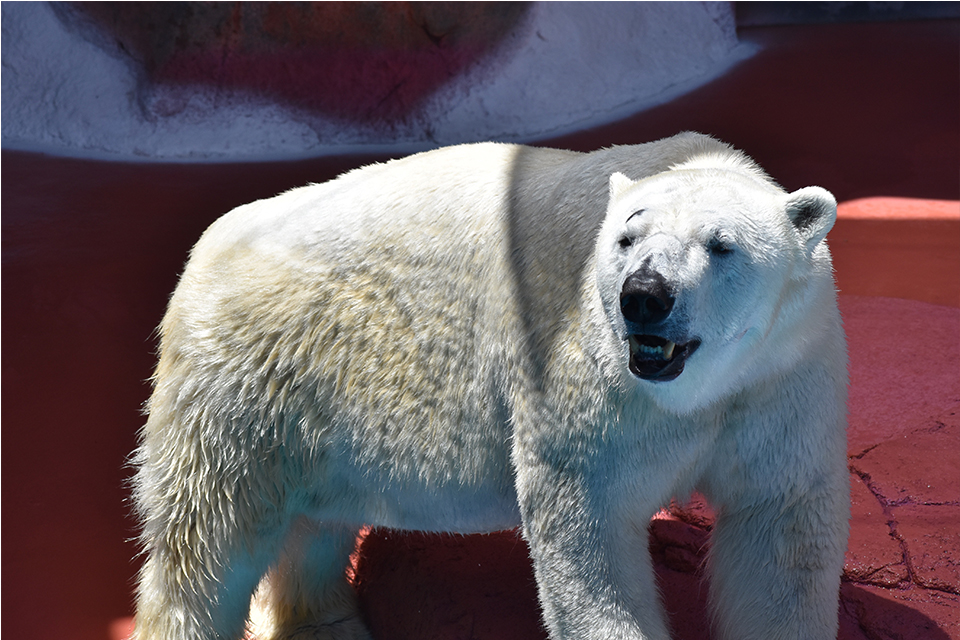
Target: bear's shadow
{"points": [[453, 587]]}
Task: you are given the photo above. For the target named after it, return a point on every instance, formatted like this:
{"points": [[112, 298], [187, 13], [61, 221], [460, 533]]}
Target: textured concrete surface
{"points": [[251, 80]]}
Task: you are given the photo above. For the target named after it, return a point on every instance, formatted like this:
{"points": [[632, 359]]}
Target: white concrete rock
{"points": [[566, 66]]}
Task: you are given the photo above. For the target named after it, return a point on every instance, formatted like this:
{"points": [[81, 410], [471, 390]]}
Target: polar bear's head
{"points": [[711, 278]]}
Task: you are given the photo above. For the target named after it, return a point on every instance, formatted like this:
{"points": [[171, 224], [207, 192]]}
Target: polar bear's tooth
{"points": [[668, 350]]}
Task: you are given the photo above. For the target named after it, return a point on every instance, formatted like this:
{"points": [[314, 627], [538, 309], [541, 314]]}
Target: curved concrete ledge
{"points": [[253, 81]]}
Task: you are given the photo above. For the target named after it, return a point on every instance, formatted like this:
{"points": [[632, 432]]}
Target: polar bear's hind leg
{"points": [[306, 596]]}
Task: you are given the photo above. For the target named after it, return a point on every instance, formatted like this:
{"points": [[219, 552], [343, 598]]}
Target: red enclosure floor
{"points": [[91, 250]]}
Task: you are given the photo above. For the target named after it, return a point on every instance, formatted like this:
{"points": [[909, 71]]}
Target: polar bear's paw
{"points": [[343, 623], [351, 628]]}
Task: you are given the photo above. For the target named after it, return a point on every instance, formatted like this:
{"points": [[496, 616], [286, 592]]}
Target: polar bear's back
{"points": [[406, 201]]}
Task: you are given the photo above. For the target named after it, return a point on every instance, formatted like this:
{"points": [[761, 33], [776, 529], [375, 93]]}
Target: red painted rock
{"points": [[695, 511], [904, 369], [684, 597], [677, 545], [446, 587], [919, 237], [922, 467]]}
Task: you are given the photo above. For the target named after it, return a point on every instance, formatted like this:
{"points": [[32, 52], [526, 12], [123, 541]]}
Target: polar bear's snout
{"points": [[646, 304], [645, 298]]}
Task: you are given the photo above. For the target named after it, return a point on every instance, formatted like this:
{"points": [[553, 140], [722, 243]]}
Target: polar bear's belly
{"points": [[445, 507]]}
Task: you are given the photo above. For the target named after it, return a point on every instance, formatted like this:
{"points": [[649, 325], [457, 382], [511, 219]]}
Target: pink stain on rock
{"points": [[359, 61]]}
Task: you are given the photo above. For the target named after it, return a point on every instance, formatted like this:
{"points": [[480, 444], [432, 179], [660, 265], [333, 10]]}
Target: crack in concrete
{"points": [[386, 98], [858, 456], [907, 560]]}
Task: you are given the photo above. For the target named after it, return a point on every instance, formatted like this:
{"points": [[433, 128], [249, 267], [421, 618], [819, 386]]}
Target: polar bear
{"points": [[488, 336]]}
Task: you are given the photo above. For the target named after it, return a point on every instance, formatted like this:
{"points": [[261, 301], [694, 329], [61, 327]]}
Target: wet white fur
{"points": [[434, 343]]}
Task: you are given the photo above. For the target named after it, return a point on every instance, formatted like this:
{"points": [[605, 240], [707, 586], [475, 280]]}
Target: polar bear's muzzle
{"points": [[646, 304]]}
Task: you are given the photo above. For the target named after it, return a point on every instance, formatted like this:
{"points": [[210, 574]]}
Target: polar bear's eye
{"points": [[625, 242], [719, 247]]}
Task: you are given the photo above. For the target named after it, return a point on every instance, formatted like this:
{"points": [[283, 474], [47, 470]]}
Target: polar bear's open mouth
{"points": [[656, 358]]}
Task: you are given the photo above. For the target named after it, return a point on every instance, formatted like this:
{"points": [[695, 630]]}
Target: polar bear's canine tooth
{"points": [[668, 350]]}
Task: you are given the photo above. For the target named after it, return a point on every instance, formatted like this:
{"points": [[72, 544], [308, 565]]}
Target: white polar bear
{"points": [[490, 335]]}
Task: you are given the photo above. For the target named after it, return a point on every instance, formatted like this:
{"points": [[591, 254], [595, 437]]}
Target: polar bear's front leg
{"points": [[775, 569], [780, 484], [593, 568]]}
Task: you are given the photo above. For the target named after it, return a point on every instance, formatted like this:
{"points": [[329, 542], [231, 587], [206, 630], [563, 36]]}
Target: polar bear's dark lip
{"points": [[657, 369]]}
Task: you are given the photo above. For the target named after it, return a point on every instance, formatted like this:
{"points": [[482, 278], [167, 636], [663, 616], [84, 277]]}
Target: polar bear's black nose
{"points": [[644, 298]]}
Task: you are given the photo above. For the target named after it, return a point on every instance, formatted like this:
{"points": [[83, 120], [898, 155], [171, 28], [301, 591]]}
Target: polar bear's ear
{"points": [[813, 211], [618, 184]]}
